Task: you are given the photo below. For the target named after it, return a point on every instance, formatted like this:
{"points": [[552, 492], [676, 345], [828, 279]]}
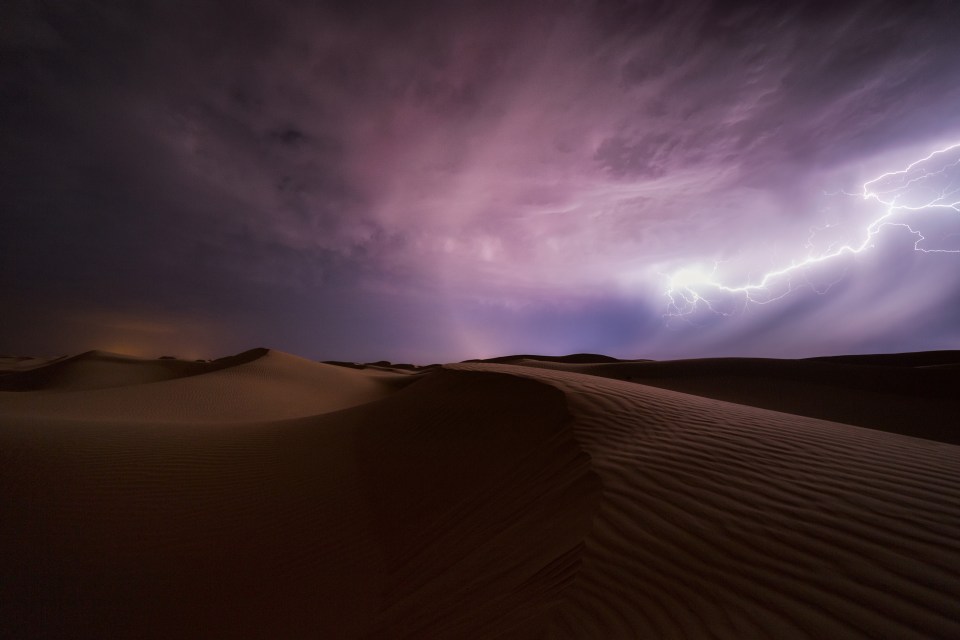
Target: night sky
{"points": [[435, 181]]}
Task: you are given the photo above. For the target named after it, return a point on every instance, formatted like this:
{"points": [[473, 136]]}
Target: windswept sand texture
{"points": [[266, 496], [725, 521], [911, 394]]}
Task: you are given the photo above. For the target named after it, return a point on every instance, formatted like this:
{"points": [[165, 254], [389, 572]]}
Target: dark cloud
{"points": [[289, 136]]}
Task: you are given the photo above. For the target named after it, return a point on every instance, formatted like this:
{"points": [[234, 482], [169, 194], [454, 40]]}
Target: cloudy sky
{"points": [[433, 181]]}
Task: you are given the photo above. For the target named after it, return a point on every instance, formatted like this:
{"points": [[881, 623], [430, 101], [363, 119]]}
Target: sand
{"points": [[267, 496], [257, 385], [911, 394]]}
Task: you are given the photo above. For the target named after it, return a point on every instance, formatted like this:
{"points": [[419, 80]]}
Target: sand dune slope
{"points": [[258, 385], [725, 521], [453, 508], [910, 397]]}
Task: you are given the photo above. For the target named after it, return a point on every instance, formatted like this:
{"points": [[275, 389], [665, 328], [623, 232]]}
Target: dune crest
{"points": [[726, 521], [901, 393], [95, 370]]}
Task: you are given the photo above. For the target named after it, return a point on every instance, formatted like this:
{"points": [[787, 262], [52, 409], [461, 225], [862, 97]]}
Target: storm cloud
{"points": [[428, 180]]}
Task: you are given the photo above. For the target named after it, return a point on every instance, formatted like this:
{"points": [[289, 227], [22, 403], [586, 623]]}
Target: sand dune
{"points": [[918, 359], [452, 508], [256, 385], [273, 497], [95, 370], [892, 392], [724, 521]]}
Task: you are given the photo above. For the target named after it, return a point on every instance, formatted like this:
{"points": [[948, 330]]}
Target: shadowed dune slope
{"points": [[920, 401], [256, 385], [720, 520], [453, 508], [913, 359]]}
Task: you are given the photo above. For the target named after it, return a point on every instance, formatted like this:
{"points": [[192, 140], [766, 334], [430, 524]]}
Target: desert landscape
{"points": [[264, 495], [587, 320]]}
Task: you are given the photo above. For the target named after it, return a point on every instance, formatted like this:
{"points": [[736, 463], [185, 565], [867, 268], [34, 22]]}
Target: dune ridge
{"points": [[912, 397], [454, 506], [726, 521], [103, 369], [260, 384]]}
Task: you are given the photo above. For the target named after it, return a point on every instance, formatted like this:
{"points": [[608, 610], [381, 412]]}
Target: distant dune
{"points": [[911, 394], [256, 385], [268, 496]]}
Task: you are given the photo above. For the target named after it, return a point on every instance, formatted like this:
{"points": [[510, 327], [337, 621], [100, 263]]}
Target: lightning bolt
{"points": [[695, 287]]}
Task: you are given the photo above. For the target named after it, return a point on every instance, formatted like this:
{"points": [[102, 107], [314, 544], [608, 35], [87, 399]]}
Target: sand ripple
{"points": [[726, 521]]}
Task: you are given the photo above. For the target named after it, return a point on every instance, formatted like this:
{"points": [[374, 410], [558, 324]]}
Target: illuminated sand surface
{"points": [[266, 496]]}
